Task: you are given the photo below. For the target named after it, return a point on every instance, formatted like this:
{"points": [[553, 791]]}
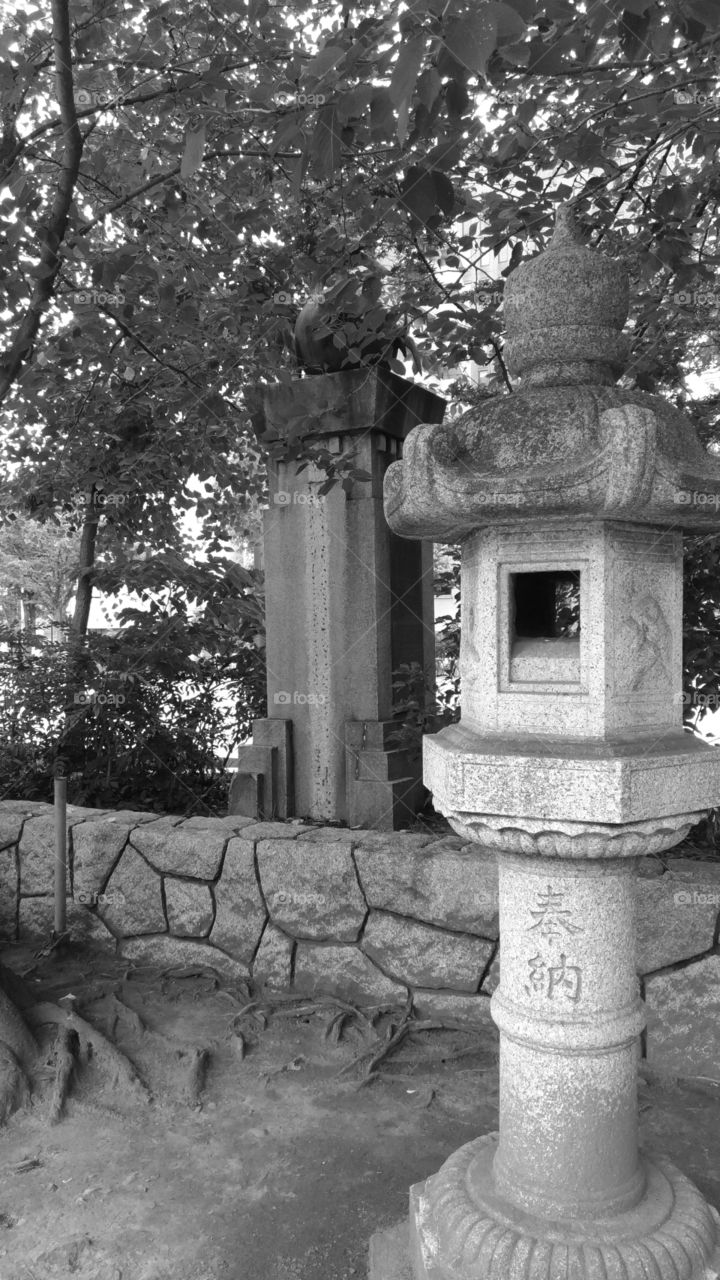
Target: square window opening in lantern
{"points": [[545, 626]]}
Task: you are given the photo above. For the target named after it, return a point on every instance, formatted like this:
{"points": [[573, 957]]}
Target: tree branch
{"points": [[47, 271], [166, 364]]}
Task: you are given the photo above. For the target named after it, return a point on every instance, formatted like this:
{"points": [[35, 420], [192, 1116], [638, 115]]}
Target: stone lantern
{"points": [[570, 763]]}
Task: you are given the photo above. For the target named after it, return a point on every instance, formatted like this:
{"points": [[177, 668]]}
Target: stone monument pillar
{"points": [[347, 603], [569, 764]]}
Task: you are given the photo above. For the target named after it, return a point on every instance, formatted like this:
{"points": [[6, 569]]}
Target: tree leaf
{"points": [[327, 58], [426, 194], [472, 40], [406, 70], [404, 79], [193, 153], [382, 116], [325, 145]]}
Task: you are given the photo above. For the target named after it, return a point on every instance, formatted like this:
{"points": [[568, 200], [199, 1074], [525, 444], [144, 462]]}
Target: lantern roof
{"points": [[568, 441]]}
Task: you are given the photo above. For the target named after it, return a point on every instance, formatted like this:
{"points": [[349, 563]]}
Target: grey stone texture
{"points": [[189, 907], [235, 822], [491, 981], [683, 1019], [311, 888], [8, 893], [136, 902], [240, 912], [448, 1006], [425, 956], [37, 854], [271, 831], [333, 834], [164, 952], [677, 914], [453, 888], [11, 824], [272, 967], [193, 849], [345, 972], [96, 848], [403, 841], [37, 921], [26, 808], [37, 845], [35, 917]]}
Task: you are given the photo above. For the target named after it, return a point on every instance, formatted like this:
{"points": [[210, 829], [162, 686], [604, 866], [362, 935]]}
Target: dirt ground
{"points": [[282, 1170]]}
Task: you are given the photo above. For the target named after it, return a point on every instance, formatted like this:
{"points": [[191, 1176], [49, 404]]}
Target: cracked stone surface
{"points": [[273, 963], [677, 913], [240, 913], [343, 971], [424, 956], [470, 1010], [96, 848], [311, 888], [189, 907], [8, 893], [182, 850], [135, 904], [455, 888], [683, 1017], [167, 952]]}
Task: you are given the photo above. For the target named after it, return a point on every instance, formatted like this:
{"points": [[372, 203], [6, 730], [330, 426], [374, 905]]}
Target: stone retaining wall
{"points": [[362, 914]]}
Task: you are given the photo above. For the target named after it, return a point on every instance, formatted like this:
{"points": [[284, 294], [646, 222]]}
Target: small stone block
{"points": [[390, 1254], [247, 795]]}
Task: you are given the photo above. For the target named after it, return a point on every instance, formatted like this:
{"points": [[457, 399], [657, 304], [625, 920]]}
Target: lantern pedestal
{"points": [[563, 1191]]}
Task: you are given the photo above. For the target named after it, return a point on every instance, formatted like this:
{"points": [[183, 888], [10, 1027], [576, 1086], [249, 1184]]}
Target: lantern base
{"points": [[460, 1229]]}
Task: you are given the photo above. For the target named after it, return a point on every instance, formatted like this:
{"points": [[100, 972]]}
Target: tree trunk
{"points": [[83, 598], [81, 614]]}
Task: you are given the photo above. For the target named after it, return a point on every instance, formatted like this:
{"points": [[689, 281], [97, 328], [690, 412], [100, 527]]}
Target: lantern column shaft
{"points": [[569, 1013]]}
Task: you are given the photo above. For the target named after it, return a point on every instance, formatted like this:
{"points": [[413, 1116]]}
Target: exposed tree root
{"points": [[408, 1028], [121, 1070], [398, 1025], [15, 1085], [67, 1046], [394, 1037], [195, 1084], [16, 1034], [122, 1012]]}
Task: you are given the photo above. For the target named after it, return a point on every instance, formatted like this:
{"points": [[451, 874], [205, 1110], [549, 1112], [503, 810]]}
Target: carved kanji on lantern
{"points": [[551, 916]]}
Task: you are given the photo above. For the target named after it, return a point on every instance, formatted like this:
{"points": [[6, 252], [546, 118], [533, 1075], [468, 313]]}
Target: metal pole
{"points": [[60, 844]]}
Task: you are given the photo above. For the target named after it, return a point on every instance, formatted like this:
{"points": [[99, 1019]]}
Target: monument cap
{"points": [[565, 311]]}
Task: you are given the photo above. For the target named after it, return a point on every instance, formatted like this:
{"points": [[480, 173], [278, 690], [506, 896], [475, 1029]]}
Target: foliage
{"points": [[235, 155], [38, 569], [149, 719], [447, 637], [176, 180]]}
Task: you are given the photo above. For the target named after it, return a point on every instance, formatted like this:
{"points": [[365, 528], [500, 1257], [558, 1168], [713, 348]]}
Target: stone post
{"points": [[569, 764], [347, 602]]}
